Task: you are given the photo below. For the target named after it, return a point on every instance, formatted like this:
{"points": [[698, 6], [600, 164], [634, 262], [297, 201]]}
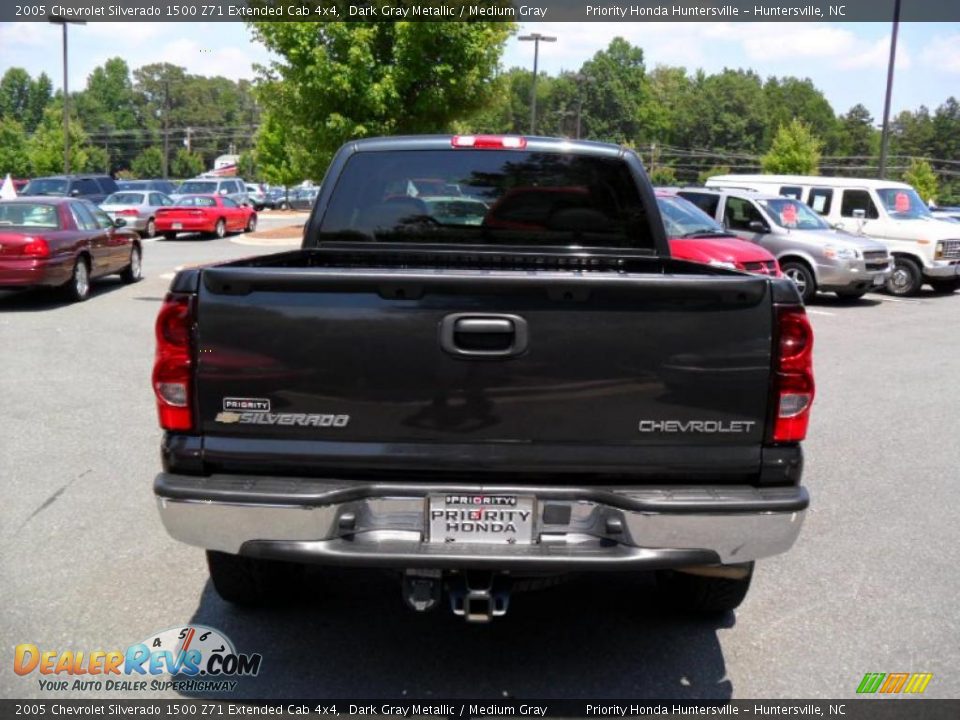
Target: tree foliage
{"points": [[45, 146], [148, 164], [920, 174], [14, 158], [335, 81], [794, 151], [186, 164]]}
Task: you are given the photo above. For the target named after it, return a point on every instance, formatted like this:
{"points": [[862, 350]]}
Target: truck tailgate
{"points": [[477, 371]]}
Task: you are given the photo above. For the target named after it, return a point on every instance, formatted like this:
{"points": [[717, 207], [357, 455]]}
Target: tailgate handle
{"points": [[473, 335]]}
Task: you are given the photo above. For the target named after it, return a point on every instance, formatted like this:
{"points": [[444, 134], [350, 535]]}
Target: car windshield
{"points": [[124, 198], [29, 215], [793, 214], [196, 201], [682, 218], [533, 198], [46, 186], [199, 187], [904, 203]]}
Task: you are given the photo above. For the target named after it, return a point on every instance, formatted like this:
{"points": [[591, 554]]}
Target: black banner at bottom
{"points": [[878, 708]]}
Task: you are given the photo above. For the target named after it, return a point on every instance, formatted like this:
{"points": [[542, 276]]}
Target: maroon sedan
{"points": [[63, 243]]}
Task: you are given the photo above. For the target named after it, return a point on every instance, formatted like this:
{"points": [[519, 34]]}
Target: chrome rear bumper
{"points": [[384, 524]]}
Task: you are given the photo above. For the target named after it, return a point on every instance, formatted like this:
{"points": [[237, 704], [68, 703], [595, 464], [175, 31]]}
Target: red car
{"points": [[697, 237], [209, 214], [63, 243]]}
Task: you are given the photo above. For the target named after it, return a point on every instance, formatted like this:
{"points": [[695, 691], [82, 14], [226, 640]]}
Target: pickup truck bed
{"points": [[479, 411]]}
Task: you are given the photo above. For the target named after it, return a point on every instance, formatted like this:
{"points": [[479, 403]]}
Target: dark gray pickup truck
{"points": [[483, 369]]}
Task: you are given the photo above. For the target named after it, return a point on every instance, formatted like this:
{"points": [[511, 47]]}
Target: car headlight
{"points": [[720, 263], [841, 253]]}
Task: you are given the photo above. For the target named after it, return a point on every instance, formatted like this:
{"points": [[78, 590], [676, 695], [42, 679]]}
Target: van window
{"points": [[705, 201], [739, 213], [820, 200], [858, 200], [791, 191], [86, 186]]}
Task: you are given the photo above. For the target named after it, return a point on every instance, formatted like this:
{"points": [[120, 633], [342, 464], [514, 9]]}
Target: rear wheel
{"points": [[945, 287], [252, 581], [77, 288], [151, 229], [134, 271], [905, 279], [712, 594], [802, 276], [220, 229], [252, 223]]}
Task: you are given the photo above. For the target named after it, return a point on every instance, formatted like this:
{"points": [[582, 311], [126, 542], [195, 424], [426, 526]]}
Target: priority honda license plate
{"points": [[481, 519], [177, 226]]}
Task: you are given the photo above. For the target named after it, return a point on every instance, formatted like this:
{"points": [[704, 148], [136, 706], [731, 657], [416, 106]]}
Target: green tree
{"points": [[15, 94], [710, 172], [945, 142], [663, 175], [41, 94], [795, 150], [149, 163], [13, 151], [346, 80], [280, 160], [856, 135], [790, 97], [109, 100], [45, 146], [730, 111], [921, 175], [186, 164], [615, 93]]}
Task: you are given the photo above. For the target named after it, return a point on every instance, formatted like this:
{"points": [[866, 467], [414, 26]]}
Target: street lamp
{"points": [[63, 22], [885, 134], [537, 38]]}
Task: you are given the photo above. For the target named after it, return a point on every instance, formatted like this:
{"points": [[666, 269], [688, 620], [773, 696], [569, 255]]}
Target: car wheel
{"points": [[251, 581], [945, 287], [252, 223], [284, 206], [802, 277], [170, 236], [905, 279], [77, 288], [220, 229], [134, 271], [706, 594], [151, 229], [851, 295]]}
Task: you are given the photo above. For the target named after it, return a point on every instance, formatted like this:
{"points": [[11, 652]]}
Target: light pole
{"points": [[537, 38], [63, 22], [885, 134]]}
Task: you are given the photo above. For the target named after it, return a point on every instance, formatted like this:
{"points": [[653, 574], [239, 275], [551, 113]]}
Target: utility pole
{"points": [[186, 140], [537, 38], [885, 133], [166, 126], [653, 158], [63, 22]]}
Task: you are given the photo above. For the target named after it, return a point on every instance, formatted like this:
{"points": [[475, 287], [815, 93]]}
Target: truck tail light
{"points": [[792, 374], [173, 363], [489, 142]]}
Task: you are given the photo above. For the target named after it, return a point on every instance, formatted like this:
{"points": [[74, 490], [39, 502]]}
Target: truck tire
{"points": [[802, 277], [704, 595], [944, 287], [906, 278], [252, 582]]}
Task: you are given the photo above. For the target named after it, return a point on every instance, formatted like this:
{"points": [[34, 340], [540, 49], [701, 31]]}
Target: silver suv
{"points": [[233, 188], [811, 253]]}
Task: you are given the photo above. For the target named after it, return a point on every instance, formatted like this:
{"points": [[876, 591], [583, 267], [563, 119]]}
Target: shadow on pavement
{"points": [[40, 299], [595, 636]]}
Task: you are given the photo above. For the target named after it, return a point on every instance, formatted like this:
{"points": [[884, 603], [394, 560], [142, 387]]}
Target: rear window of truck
{"points": [[487, 197]]}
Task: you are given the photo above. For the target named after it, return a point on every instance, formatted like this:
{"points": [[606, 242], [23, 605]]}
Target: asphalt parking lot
{"points": [[872, 585]]}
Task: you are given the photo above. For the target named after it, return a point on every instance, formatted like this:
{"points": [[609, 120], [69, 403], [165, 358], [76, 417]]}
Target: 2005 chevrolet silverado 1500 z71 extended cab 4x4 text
{"points": [[519, 384]]}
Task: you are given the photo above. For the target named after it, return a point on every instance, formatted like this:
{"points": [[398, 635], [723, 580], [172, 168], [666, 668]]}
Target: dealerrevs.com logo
{"points": [[201, 658]]}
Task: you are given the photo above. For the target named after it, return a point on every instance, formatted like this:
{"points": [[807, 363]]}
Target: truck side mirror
{"points": [[758, 227], [860, 214]]}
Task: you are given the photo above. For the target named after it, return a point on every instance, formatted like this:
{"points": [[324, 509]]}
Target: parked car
{"points": [[276, 198], [92, 187], [233, 188], [63, 243], [213, 215], [817, 257], [924, 249], [471, 406], [946, 213], [167, 187], [256, 196], [695, 236], [302, 198], [138, 208]]}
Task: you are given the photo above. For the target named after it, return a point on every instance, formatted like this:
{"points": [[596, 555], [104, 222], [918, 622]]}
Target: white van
{"points": [[925, 249]]}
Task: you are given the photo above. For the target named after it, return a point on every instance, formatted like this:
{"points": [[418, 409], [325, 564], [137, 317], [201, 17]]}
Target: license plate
{"points": [[177, 226], [878, 280], [491, 519]]}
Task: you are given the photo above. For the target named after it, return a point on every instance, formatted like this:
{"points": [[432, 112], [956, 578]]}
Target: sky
{"points": [[847, 61]]}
